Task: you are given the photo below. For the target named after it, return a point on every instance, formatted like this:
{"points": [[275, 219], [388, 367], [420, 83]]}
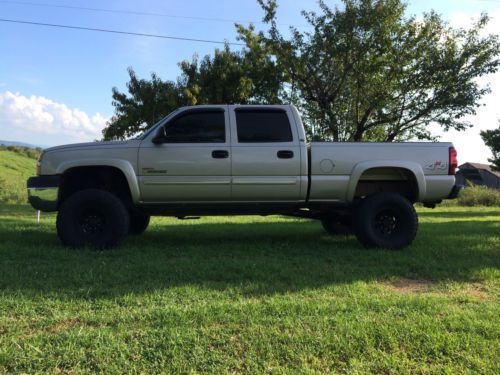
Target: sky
{"points": [[55, 84]]}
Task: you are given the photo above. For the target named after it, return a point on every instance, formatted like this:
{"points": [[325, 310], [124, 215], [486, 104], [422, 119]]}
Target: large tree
{"points": [[492, 139], [147, 102], [365, 71], [244, 77]]}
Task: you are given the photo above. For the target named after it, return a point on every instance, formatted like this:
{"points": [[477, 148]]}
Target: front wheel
{"points": [[138, 223], [386, 220], [93, 218]]}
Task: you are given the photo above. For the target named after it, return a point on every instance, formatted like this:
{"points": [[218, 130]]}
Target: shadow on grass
{"points": [[252, 258]]}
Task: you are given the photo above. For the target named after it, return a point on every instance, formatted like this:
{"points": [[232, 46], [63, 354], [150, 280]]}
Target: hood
{"points": [[87, 145]]}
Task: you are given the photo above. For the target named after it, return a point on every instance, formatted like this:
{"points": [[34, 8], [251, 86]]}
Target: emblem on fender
{"points": [[437, 165]]}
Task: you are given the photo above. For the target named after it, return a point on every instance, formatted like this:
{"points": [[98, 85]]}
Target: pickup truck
{"points": [[240, 160]]}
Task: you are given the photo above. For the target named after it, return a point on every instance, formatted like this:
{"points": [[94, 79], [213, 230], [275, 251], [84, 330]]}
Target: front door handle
{"points": [[285, 154], [220, 154]]}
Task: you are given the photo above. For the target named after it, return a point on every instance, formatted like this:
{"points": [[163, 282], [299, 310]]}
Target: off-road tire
{"points": [[92, 218], [138, 223], [386, 220]]}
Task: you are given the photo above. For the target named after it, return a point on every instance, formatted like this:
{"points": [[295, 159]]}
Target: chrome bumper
{"points": [[43, 192]]}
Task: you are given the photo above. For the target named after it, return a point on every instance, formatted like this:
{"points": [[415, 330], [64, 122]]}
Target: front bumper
{"points": [[455, 191], [43, 192]]}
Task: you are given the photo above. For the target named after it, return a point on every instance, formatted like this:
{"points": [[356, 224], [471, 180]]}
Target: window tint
{"points": [[197, 127], [263, 126]]}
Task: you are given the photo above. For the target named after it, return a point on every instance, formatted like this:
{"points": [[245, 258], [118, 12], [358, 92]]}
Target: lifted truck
{"points": [[240, 160]]}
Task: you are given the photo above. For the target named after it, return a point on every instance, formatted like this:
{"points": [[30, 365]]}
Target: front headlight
{"points": [[38, 164]]}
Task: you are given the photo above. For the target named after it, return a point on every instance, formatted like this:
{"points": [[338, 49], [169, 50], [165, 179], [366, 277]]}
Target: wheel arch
{"points": [[95, 168], [378, 171]]}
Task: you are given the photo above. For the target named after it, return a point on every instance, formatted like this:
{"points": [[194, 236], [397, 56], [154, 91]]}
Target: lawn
{"points": [[252, 294], [14, 171]]}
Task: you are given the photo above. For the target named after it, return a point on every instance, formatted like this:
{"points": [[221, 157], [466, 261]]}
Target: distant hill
{"points": [[15, 168], [15, 143]]}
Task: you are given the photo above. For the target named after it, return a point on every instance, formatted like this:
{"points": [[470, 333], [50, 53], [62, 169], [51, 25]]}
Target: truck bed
{"points": [[335, 166]]}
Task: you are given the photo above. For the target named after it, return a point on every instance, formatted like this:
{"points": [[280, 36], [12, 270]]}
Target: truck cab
{"points": [[225, 154]]}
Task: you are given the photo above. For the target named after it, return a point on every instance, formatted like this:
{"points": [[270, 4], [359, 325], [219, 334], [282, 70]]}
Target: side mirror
{"points": [[160, 136]]}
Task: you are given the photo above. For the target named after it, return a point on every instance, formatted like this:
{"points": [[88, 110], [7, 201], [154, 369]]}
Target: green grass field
{"points": [[252, 294], [14, 171]]}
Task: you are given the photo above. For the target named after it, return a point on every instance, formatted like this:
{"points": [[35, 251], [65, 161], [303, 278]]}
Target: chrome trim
{"points": [[271, 180]]}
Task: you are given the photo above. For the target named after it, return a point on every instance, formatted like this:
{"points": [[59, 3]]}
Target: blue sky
{"points": [[66, 76]]}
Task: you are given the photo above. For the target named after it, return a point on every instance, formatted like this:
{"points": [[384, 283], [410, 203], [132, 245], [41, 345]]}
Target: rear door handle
{"points": [[220, 154], [285, 154]]}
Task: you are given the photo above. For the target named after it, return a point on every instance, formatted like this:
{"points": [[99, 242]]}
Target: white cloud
{"points": [[39, 120]]}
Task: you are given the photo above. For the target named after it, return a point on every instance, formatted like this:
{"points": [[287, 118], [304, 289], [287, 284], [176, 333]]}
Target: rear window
{"points": [[257, 126]]}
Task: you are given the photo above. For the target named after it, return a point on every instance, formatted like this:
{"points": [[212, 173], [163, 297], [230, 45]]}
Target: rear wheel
{"points": [[93, 218], [386, 220], [138, 223]]}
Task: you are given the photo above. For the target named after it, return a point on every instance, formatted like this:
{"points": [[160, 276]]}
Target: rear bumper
{"points": [[43, 192], [455, 191]]}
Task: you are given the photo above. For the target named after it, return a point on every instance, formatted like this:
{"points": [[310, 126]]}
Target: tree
{"points": [[366, 72], [492, 139], [148, 101], [227, 77]]}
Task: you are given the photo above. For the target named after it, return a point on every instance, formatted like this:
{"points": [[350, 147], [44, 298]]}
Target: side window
{"points": [[197, 127], [257, 125]]}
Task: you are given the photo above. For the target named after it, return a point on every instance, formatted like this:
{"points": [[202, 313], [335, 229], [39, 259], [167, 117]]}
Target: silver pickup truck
{"points": [[240, 160]]}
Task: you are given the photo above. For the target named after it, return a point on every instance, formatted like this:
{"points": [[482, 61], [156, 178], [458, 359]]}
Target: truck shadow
{"points": [[252, 258]]}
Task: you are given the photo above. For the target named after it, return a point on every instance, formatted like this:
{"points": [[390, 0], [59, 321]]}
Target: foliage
{"points": [[492, 139], [32, 153], [251, 295], [147, 102], [479, 196], [243, 77], [246, 77], [366, 72], [15, 168]]}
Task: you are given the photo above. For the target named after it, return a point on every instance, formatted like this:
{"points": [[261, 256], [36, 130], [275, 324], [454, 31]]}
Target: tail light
{"points": [[453, 162]]}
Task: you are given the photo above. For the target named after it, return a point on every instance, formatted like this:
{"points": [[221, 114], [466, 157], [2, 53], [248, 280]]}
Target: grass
{"points": [[252, 294], [14, 171]]}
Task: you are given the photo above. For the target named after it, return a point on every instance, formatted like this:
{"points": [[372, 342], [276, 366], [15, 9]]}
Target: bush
{"points": [[12, 191], [31, 153], [479, 196]]}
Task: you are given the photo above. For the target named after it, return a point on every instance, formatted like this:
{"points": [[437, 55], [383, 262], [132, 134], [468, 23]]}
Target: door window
{"points": [[197, 127], [260, 126]]}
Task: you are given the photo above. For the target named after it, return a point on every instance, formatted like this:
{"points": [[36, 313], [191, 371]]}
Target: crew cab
{"points": [[240, 160]]}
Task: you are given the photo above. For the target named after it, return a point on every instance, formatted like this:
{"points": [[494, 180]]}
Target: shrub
{"points": [[475, 195], [12, 191], [31, 153]]}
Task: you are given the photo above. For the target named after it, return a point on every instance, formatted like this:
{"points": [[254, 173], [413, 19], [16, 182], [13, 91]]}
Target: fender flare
{"points": [[124, 166], [362, 167]]}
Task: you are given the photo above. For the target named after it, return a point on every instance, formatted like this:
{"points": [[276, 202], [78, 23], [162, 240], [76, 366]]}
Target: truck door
{"points": [[193, 161], [266, 155]]}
